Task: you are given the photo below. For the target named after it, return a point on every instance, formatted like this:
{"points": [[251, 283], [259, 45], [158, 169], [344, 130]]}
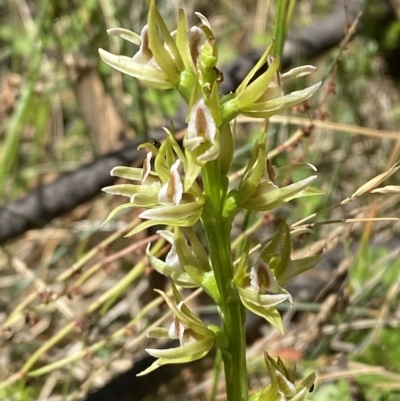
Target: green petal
{"points": [[125, 34], [145, 199], [291, 168], [301, 395], [191, 355], [198, 249], [149, 75], [268, 394], [180, 278], [155, 365], [276, 106], [130, 189], [269, 314], [254, 172], [192, 171], [241, 270], [151, 223], [298, 266], [189, 319], [123, 190], [158, 332], [160, 53], [260, 63], [276, 197], [274, 245], [169, 41], [254, 91], [164, 160], [263, 300], [285, 253], [182, 212], [298, 72], [182, 42], [129, 173], [116, 210], [185, 353]]}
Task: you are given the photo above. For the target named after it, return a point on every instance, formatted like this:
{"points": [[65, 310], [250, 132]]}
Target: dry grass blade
{"points": [[372, 184]]}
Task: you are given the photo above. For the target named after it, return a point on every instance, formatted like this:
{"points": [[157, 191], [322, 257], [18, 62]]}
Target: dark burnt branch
{"points": [[62, 195]]}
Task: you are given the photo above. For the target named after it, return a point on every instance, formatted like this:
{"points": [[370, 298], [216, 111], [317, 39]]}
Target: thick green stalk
{"points": [[284, 14], [231, 309]]}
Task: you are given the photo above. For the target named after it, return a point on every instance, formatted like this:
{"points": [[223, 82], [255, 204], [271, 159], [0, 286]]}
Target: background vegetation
{"points": [[75, 299]]}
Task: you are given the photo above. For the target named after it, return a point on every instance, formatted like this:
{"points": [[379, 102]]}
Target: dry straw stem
{"points": [[119, 334], [329, 125], [112, 293], [363, 190], [300, 121], [356, 370], [294, 337], [369, 186], [129, 249], [42, 287], [116, 290], [94, 251], [300, 341]]}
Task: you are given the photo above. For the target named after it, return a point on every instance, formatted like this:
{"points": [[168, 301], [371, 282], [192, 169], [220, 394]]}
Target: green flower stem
{"points": [[231, 309]]}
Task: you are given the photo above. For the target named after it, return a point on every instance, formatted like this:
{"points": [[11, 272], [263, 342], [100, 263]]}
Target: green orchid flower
{"points": [[162, 64], [187, 262], [259, 290], [264, 97], [160, 193], [201, 141], [268, 195], [258, 190], [277, 254], [172, 266], [195, 339], [282, 387]]}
